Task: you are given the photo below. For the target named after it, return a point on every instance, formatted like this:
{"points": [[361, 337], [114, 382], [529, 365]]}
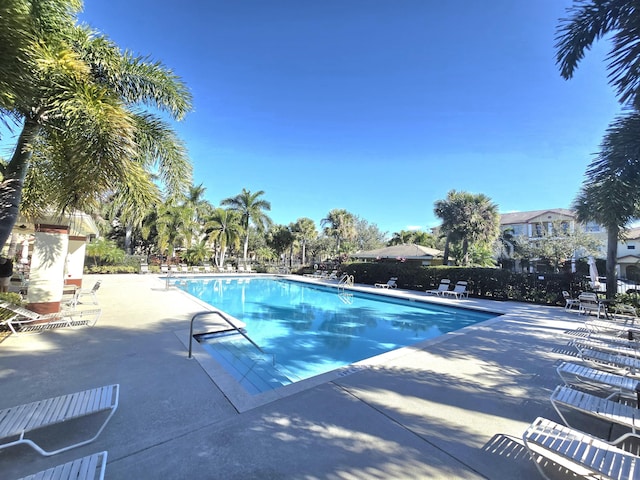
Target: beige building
{"points": [[537, 223]]}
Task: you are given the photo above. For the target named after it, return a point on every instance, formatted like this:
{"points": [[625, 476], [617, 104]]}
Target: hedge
{"points": [[494, 283]]}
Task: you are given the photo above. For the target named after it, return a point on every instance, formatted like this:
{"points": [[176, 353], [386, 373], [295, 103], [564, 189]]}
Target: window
{"points": [[631, 247], [592, 227]]}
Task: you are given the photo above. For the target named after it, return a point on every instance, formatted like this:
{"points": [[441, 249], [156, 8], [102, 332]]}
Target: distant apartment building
{"points": [[537, 223], [629, 255]]}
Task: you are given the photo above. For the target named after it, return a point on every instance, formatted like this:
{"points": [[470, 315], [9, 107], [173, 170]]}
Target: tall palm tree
{"points": [[589, 21], [469, 219], [251, 208], [170, 224], [305, 231], [609, 195], [224, 227], [79, 103], [341, 225]]}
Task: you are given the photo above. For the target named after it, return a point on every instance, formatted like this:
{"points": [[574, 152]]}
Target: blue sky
{"points": [[379, 107]]}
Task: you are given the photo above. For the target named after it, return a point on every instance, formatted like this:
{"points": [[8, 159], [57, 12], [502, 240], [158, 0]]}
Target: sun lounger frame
{"points": [[85, 468], [21, 420], [598, 407], [579, 452], [28, 321]]}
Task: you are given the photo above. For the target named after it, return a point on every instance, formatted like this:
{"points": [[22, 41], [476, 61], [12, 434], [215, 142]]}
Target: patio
{"points": [[455, 408]]}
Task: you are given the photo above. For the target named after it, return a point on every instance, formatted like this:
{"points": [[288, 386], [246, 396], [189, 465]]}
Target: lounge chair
{"points": [[622, 364], [92, 292], [241, 269], [24, 320], [21, 420], [207, 268], [248, 269], [391, 283], [86, 468], [624, 309], [581, 375], [621, 346], [443, 287], [606, 409], [570, 302], [578, 452], [588, 303], [459, 291], [144, 268], [164, 268]]}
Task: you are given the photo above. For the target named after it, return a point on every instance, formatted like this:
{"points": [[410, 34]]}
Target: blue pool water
{"points": [[306, 330]]}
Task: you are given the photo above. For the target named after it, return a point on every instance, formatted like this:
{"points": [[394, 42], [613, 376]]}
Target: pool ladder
{"points": [[234, 327], [344, 282]]}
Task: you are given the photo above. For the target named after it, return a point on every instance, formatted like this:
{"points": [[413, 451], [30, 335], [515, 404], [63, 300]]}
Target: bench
{"points": [[90, 467], [20, 420]]}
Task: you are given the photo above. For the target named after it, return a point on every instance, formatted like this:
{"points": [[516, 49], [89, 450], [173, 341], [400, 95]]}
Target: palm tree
{"points": [[402, 237], [609, 195], [305, 230], [251, 208], [469, 219], [170, 226], [224, 227], [590, 21], [198, 210], [79, 100], [340, 225]]}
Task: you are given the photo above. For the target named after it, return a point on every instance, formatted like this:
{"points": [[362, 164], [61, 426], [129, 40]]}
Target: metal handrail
{"points": [[234, 327]]}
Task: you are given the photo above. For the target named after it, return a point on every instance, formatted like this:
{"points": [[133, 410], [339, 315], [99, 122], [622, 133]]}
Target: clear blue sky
{"points": [[379, 107]]}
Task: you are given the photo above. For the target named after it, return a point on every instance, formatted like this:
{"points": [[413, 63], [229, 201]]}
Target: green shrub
{"points": [[494, 283]]}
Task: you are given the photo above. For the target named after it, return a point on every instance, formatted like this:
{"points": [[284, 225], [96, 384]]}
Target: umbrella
{"points": [[593, 274]]}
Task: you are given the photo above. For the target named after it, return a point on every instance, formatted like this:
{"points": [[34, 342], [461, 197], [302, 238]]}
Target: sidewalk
{"points": [[454, 409]]}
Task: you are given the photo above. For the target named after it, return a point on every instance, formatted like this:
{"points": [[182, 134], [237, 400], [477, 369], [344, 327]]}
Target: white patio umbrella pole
{"points": [[593, 273]]}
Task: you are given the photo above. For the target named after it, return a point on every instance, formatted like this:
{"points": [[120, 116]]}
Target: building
{"points": [[538, 223]]}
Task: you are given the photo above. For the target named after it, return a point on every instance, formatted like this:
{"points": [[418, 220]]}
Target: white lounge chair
{"points": [[588, 303], [24, 320], [624, 309], [92, 292], [621, 346], [144, 268], [606, 409], [570, 302], [19, 421], [582, 375], [391, 283], [443, 287], [90, 467], [578, 452], [459, 291]]}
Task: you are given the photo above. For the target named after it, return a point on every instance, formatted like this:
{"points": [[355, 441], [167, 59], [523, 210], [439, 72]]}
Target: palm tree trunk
{"points": [[612, 257], [465, 252], [246, 247], [127, 238], [445, 256], [14, 175], [222, 252], [304, 252]]}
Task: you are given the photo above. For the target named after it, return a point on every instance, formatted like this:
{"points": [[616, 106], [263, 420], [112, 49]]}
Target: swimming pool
{"points": [[305, 329]]}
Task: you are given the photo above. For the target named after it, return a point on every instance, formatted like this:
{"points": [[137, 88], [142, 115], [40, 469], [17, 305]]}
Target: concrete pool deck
{"points": [[453, 408]]}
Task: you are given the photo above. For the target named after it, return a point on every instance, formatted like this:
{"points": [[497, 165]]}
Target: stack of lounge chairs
{"points": [[601, 382]]}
